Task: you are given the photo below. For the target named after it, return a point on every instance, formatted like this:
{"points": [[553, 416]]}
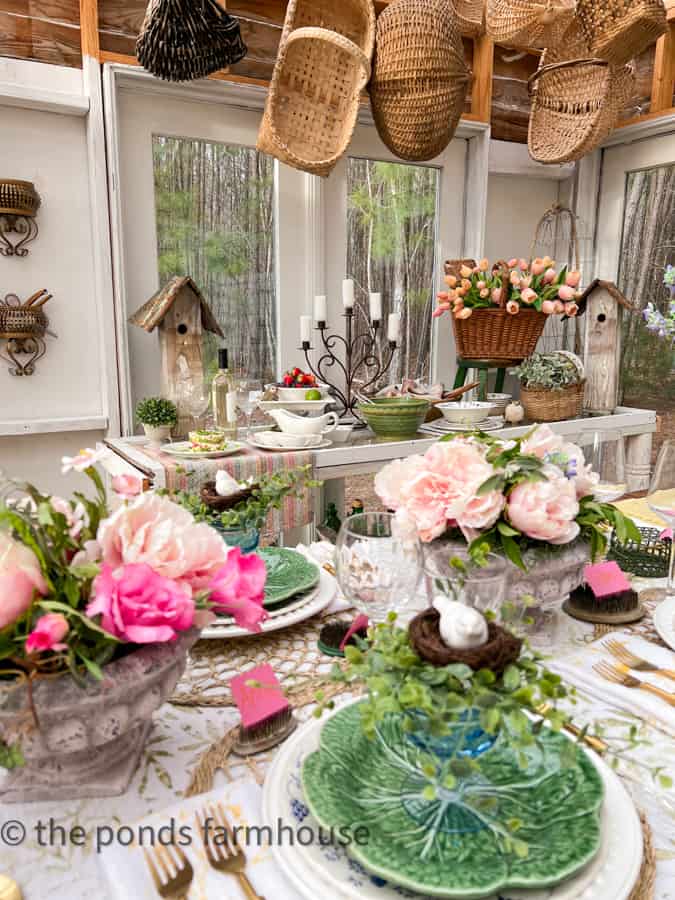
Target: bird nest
{"points": [[214, 501], [501, 649]]}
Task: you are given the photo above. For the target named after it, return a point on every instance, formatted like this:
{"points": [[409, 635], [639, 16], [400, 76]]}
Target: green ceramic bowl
{"points": [[395, 417]]}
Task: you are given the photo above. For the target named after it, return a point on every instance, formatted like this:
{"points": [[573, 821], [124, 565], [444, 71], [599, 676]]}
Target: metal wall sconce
{"points": [[23, 327], [19, 203]]}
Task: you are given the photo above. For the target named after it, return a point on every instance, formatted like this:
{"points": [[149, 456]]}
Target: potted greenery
{"points": [[551, 386], [157, 416]]}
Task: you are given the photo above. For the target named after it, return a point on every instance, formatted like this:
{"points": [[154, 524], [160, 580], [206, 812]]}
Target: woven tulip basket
{"points": [[546, 405], [496, 335]]}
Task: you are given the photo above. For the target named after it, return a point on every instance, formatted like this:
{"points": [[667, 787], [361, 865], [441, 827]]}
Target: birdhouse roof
{"points": [[152, 313], [611, 289]]}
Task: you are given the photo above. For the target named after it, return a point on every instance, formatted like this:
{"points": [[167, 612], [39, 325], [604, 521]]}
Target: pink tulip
{"points": [[442, 296], [573, 279], [513, 263], [451, 281], [548, 307], [485, 293], [512, 307], [238, 589], [481, 285], [438, 312], [571, 309], [550, 276], [464, 313], [458, 304], [496, 295], [538, 267], [483, 265], [466, 272], [525, 282], [20, 577], [565, 293], [48, 634], [138, 606], [528, 295], [127, 485], [559, 307], [452, 295], [548, 262], [523, 265], [466, 285], [514, 278]]}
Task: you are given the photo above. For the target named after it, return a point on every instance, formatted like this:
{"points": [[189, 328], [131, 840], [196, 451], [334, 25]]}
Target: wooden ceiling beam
{"points": [[663, 79]]}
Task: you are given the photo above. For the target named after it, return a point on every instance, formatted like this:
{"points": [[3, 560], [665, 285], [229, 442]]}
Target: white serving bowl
{"points": [[464, 412], [286, 394], [342, 434], [499, 402], [279, 439]]}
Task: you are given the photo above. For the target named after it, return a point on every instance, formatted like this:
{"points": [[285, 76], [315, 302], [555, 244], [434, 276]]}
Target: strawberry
{"points": [[295, 372], [288, 380]]}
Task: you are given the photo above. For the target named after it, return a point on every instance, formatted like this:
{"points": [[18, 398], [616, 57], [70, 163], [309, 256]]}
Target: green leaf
{"points": [[512, 551], [507, 530], [666, 782], [511, 678], [92, 667], [494, 483]]}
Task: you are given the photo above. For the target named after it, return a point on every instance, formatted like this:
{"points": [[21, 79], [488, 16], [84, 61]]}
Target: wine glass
{"points": [[607, 456], [196, 401], [249, 393], [452, 573], [661, 498], [379, 564]]}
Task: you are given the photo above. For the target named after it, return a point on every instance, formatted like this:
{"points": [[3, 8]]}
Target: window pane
{"points": [[215, 222], [647, 247], [391, 250]]}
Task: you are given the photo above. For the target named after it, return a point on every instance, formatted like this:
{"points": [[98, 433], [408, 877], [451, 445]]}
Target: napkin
{"points": [[322, 552], [576, 667], [127, 873]]}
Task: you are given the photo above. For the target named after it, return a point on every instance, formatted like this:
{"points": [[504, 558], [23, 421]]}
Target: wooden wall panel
{"points": [[121, 16], [27, 38], [63, 11]]}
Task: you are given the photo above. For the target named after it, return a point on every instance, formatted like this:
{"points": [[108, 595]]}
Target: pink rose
{"points": [[155, 531], [571, 309], [48, 634], [512, 307], [127, 485], [541, 441], [528, 295], [538, 267], [389, 481], [565, 293], [20, 577], [237, 589], [76, 516], [550, 276], [573, 279], [545, 510], [548, 307], [139, 606]]}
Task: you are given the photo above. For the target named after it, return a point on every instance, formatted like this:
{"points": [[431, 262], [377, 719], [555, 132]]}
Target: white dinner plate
{"points": [[184, 450], [315, 601], [320, 870], [292, 449], [664, 621], [442, 426]]}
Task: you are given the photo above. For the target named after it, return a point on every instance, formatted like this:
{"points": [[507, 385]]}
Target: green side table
{"points": [[483, 367]]}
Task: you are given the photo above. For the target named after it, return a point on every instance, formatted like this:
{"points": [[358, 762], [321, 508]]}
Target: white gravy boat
{"points": [[290, 423]]}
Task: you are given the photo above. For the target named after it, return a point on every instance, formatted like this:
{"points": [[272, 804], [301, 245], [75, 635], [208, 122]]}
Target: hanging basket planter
{"points": [[420, 78], [619, 30], [528, 24], [470, 17], [182, 40]]}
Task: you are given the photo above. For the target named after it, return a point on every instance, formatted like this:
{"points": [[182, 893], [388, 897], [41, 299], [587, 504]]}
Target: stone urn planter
{"points": [[88, 740]]}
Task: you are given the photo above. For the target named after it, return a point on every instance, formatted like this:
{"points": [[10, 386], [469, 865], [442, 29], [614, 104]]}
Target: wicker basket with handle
{"points": [[493, 333], [619, 30], [420, 78], [528, 23], [546, 405], [313, 100], [470, 17]]}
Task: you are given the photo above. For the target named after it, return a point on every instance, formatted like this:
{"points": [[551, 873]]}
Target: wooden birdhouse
{"points": [[604, 307], [181, 315]]}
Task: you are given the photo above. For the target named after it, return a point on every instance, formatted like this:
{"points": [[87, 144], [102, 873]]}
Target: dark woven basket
{"points": [[22, 322], [18, 198], [222, 504], [649, 559], [501, 649]]}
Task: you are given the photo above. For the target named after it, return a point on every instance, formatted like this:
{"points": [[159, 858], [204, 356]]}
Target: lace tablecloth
{"points": [[49, 864]]}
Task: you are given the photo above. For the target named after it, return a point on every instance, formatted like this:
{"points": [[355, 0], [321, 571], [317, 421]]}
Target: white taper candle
{"points": [[305, 329], [394, 327], [348, 293], [376, 307], [320, 309]]}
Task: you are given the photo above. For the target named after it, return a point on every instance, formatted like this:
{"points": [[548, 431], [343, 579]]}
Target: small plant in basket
{"points": [[513, 286], [548, 371]]}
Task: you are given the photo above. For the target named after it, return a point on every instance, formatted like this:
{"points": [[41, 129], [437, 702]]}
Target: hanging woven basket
{"points": [[470, 16], [420, 78], [575, 105], [528, 24], [322, 66], [619, 30], [182, 40]]}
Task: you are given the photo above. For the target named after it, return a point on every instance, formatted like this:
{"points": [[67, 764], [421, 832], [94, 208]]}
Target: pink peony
{"points": [[528, 295], [548, 307], [538, 267], [545, 510], [512, 308], [480, 512], [76, 516], [550, 276], [573, 279], [155, 531], [48, 634], [127, 485], [390, 480], [565, 293], [237, 589], [138, 606], [541, 441], [20, 578], [427, 499]]}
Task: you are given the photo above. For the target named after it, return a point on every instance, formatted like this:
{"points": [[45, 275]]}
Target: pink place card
{"points": [[257, 704], [606, 578]]}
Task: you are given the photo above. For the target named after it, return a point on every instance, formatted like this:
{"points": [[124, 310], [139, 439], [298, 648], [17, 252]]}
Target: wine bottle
{"points": [[224, 398]]}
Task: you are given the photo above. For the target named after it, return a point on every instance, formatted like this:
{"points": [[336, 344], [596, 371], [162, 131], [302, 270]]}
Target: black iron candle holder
{"points": [[359, 350]]}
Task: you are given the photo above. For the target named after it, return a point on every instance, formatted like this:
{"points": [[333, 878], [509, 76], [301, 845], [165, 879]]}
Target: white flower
{"points": [[83, 460], [76, 516]]}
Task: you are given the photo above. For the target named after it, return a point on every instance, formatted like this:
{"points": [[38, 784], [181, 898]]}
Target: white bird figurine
{"points": [[226, 485], [461, 627]]}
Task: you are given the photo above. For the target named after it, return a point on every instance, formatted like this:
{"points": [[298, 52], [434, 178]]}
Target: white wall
{"points": [[65, 398], [514, 206]]}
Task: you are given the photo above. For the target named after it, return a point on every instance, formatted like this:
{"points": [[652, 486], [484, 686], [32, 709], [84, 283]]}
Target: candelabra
{"points": [[359, 350]]}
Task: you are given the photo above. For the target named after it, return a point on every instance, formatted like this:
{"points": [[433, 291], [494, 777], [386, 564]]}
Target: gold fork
{"points": [[611, 673], [162, 867], [624, 655], [222, 848]]}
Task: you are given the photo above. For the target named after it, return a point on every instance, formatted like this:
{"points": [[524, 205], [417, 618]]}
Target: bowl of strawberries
{"points": [[299, 385]]}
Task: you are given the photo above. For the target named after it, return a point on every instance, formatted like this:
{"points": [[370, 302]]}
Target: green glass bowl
{"points": [[395, 417]]}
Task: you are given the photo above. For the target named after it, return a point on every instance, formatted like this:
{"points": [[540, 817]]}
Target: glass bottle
{"points": [[224, 398]]}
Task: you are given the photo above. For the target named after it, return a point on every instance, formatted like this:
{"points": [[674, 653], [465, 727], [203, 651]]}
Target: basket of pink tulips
{"points": [[499, 312]]}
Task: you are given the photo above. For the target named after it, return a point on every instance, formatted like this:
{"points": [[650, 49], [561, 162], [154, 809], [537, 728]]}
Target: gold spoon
{"points": [[9, 889]]}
